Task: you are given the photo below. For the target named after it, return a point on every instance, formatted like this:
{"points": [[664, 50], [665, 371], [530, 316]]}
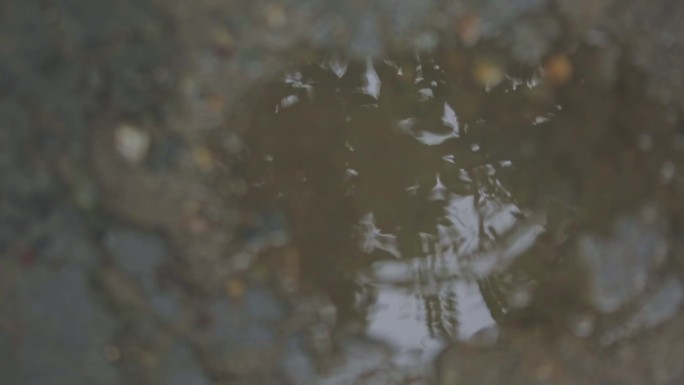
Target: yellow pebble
{"points": [[235, 289], [558, 70], [203, 159], [488, 73]]}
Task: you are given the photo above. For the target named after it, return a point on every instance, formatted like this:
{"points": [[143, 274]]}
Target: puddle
{"points": [[455, 195]]}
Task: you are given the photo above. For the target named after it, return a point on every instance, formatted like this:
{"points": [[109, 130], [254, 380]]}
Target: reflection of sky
{"points": [[371, 85], [454, 260], [399, 318]]}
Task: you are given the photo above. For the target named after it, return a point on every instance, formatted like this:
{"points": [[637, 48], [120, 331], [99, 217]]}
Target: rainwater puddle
{"points": [[455, 196]]}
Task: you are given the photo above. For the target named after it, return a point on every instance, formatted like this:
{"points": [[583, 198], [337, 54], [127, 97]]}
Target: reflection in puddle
{"points": [[458, 196], [416, 321]]}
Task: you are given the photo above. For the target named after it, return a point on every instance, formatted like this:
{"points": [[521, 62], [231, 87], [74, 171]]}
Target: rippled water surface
{"points": [[455, 196]]}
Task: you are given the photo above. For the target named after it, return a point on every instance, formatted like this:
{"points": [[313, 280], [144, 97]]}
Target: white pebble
{"points": [[131, 143]]}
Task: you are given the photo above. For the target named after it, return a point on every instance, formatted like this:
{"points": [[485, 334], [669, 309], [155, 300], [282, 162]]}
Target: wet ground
{"points": [[382, 192]]}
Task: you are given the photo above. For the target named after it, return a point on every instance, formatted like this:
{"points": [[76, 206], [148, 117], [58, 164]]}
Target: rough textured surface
{"points": [[146, 271]]}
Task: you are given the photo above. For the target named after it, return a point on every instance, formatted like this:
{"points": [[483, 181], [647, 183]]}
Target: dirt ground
{"points": [[126, 254]]}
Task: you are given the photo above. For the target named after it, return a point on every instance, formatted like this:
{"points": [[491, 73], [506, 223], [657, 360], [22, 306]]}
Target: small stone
{"points": [[197, 225], [582, 325], [85, 194], [558, 70], [469, 29], [544, 372], [235, 289], [131, 143], [488, 73], [645, 142], [148, 358], [161, 75], [520, 297], [112, 353], [276, 15], [667, 172], [425, 41], [215, 105]]}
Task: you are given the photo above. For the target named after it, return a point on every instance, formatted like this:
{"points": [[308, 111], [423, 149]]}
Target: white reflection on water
{"points": [[402, 317], [457, 246], [422, 301], [372, 82], [438, 135], [449, 119], [372, 238], [336, 66], [398, 319], [439, 191]]}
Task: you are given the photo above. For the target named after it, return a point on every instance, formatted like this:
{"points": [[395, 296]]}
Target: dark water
{"points": [[455, 195]]}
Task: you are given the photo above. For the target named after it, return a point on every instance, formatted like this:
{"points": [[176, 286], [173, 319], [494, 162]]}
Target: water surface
{"points": [[454, 195]]}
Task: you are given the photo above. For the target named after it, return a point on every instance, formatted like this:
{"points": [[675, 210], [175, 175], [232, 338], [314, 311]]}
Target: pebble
{"points": [[136, 252], [558, 70], [235, 289], [582, 325], [488, 73], [469, 29], [131, 143], [224, 42]]}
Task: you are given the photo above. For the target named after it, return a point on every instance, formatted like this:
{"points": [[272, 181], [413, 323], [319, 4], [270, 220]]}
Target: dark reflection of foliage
{"points": [[494, 292], [433, 315], [449, 309], [576, 163]]}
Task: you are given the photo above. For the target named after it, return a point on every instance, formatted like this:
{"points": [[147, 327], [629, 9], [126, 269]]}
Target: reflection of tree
{"points": [[431, 175], [440, 310], [384, 141]]}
